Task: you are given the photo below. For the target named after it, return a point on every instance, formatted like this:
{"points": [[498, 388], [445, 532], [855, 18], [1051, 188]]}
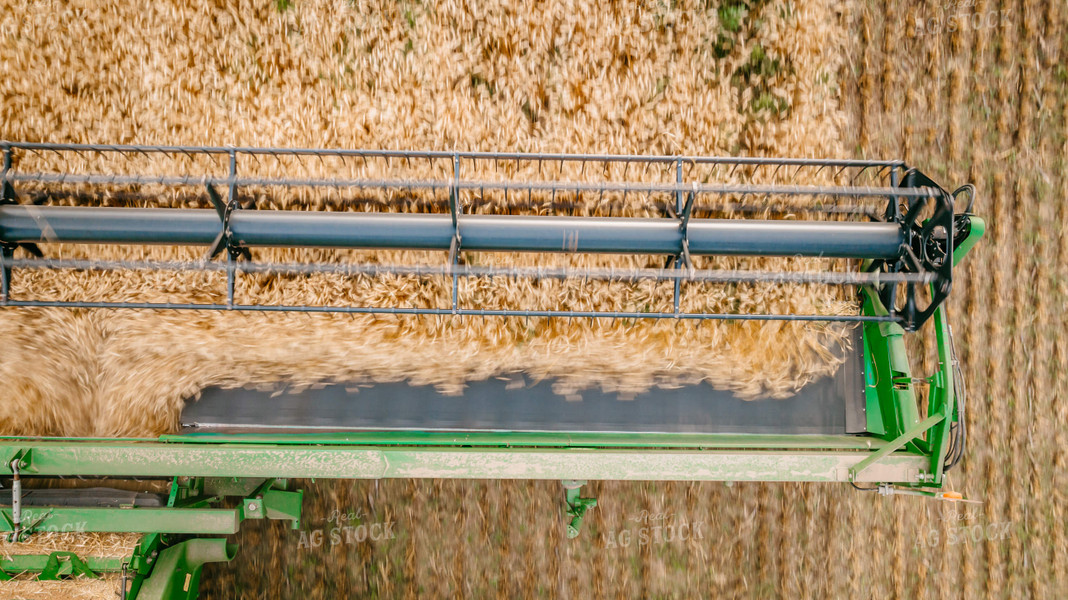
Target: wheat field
{"points": [[986, 104], [979, 98]]}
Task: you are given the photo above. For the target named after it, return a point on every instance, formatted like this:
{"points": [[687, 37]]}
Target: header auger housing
{"points": [[887, 230]]}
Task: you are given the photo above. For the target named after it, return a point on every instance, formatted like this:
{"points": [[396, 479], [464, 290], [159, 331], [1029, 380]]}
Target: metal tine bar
{"points": [[645, 162], [840, 278], [443, 154], [449, 312], [744, 189]]}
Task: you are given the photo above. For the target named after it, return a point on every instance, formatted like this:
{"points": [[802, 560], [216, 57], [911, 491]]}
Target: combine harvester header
{"points": [[894, 236]]}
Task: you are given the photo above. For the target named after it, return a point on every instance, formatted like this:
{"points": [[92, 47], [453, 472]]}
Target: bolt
{"points": [[252, 506]]}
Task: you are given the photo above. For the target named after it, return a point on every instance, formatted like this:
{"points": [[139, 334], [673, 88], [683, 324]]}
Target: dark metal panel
{"points": [[517, 404], [854, 380]]}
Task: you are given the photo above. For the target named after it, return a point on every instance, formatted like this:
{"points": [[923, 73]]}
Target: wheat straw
{"points": [[621, 78]]}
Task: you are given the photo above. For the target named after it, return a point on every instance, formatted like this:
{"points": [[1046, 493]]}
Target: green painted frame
{"points": [[358, 461]]}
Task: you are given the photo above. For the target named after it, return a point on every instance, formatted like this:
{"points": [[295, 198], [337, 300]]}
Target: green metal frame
{"points": [[166, 563], [903, 447], [353, 460], [893, 410]]}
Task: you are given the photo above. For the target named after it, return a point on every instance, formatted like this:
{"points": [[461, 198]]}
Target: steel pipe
{"points": [[491, 233]]}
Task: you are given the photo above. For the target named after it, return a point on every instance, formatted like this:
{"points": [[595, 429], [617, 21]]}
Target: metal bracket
{"points": [[225, 239], [7, 250], [576, 506], [683, 257], [684, 222], [454, 246], [899, 442], [16, 500], [78, 568], [927, 247]]}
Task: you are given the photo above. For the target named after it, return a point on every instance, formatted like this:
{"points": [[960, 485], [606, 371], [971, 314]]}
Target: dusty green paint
{"points": [[978, 229], [133, 520], [280, 504], [872, 411], [359, 462], [905, 438], [22, 563], [893, 374], [577, 506], [176, 575]]}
